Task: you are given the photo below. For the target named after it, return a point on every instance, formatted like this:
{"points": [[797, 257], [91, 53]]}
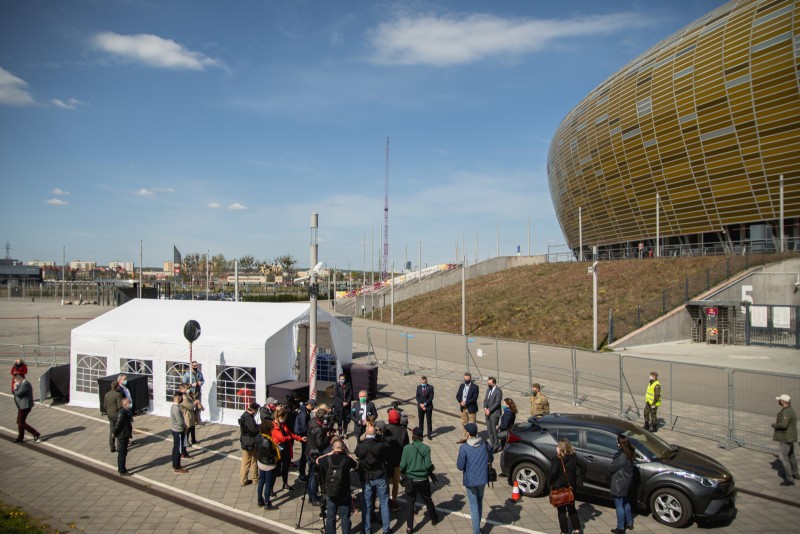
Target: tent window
{"points": [[236, 387], [139, 367], [88, 370], [175, 371]]}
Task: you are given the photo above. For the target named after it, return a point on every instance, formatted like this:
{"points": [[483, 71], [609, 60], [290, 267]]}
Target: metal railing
{"points": [[735, 407], [35, 354]]}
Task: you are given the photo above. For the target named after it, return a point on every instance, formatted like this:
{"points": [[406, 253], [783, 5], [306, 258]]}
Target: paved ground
{"points": [[71, 477]]}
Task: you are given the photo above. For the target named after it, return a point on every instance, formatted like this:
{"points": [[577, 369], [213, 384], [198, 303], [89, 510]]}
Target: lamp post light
{"points": [[312, 318]]}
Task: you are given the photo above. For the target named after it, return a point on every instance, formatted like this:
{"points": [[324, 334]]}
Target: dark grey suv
{"points": [[675, 483]]}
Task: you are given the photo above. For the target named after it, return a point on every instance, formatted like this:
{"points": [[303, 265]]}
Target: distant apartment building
{"points": [[169, 266], [37, 263], [84, 265], [124, 265]]}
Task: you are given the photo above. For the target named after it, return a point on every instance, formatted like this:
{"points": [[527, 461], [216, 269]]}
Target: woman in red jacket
{"points": [[19, 368], [282, 437]]}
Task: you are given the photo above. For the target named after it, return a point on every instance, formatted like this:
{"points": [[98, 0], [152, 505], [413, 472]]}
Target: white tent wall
{"points": [[237, 340]]}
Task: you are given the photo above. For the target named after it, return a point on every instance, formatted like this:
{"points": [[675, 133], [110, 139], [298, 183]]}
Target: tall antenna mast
{"points": [[385, 274]]}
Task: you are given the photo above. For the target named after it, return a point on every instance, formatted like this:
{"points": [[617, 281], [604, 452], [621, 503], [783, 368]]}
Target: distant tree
{"points": [[287, 263], [219, 265], [247, 262]]}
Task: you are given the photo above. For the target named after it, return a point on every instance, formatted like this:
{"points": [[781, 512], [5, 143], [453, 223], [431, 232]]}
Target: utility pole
{"points": [[594, 300], [364, 256], [312, 317], [141, 265], [63, 273], [783, 238], [208, 261], [580, 234], [464, 296], [236, 276], [658, 228], [384, 276]]}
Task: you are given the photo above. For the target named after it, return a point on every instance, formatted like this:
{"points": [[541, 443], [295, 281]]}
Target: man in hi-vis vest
{"points": [[652, 402]]}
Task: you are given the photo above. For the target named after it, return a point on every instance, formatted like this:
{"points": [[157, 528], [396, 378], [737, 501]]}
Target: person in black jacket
{"points": [[267, 456], [361, 410], [247, 438], [339, 500], [507, 421], [342, 397], [317, 442], [566, 471], [621, 476], [123, 430], [301, 429], [372, 455], [425, 404], [467, 398], [396, 437]]}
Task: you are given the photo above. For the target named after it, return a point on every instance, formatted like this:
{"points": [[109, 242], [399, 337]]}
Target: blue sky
{"points": [[222, 126]]}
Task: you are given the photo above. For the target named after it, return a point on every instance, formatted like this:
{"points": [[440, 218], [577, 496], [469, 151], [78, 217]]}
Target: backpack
{"points": [[335, 476]]}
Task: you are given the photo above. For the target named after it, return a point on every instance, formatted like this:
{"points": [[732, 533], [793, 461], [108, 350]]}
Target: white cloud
{"points": [[13, 90], [56, 202], [213, 205], [153, 51], [72, 103], [145, 192], [236, 206], [455, 40], [163, 189], [60, 192]]}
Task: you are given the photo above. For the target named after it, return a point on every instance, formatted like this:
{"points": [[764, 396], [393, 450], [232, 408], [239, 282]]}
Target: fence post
{"points": [[610, 326], [466, 353], [574, 378], [530, 371], [407, 371], [746, 258], [708, 279], [621, 379], [796, 327], [671, 401], [54, 355], [387, 346], [728, 267], [638, 316], [687, 290], [747, 324], [731, 409], [663, 301]]}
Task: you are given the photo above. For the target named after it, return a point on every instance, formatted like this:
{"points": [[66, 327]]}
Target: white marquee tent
{"points": [[243, 347]]}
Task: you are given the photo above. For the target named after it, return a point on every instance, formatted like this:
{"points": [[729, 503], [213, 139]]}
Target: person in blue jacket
{"points": [[474, 458]]}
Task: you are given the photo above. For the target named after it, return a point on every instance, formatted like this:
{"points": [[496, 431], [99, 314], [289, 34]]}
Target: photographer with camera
{"points": [[396, 437], [372, 454], [318, 439], [301, 429], [335, 468]]}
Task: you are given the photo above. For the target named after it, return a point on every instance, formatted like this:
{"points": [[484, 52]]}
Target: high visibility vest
{"points": [[651, 394]]}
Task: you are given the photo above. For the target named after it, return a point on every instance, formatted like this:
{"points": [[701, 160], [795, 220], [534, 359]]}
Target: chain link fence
{"points": [[735, 407]]}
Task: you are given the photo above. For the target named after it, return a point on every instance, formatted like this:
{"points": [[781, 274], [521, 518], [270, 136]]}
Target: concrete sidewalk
{"points": [[79, 485]]}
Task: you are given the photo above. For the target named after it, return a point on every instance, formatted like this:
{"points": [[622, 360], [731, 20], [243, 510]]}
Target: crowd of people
{"points": [[386, 457]]}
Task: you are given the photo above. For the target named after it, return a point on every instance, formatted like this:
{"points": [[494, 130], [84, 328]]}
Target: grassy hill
{"points": [[552, 303]]}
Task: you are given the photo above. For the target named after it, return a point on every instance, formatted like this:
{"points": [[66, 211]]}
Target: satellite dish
{"points": [[191, 330]]}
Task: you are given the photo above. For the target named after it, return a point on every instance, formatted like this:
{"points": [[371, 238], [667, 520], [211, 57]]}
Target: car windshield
{"points": [[645, 440]]}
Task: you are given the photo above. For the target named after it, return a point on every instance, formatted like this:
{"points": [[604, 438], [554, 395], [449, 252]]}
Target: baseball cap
{"points": [[380, 425], [417, 431], [272, 400], [784, 398], [312, 402], [471, 428]]}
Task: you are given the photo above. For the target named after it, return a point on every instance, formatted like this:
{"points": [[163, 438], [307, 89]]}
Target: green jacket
{"points": [[785, 426], [415, 464]]}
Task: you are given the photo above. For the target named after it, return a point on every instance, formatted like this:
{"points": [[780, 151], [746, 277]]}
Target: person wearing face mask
{"points": [[506, 423], [122, 381], [112, 402], [361, 410], [540, 404], [282, 437], [467, 398], [425, 404], [652, 402], [23, 398], [492, 408], [342, 397], [123, 432], [19, 368]]}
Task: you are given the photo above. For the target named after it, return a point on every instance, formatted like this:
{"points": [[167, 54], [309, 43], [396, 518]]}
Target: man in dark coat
{"points": [[247, 438], [372, 454], [492, 408], [342, 397], [112, 403], [301, 429], [467, 398], [425, 404], [396, 437], [361, 410], [23, 398], [123, 430]]}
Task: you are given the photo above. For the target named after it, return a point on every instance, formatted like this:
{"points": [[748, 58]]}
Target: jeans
{"points": [[312, 480], [122, 454], [423, 489], [176, 449], [185, 442], [788, 459], [475, 497], [265, 481], [370, 488], [343, 510], [623, 512]]}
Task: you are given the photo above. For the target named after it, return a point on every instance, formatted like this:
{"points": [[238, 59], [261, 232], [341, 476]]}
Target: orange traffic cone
{"points": [[515, 493]]}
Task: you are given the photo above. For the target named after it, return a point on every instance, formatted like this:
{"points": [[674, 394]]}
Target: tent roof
{"points": [[244, 323]]}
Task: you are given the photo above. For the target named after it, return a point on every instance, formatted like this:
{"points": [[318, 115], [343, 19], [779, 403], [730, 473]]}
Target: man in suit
{"points": [[467, 398], [425, 404], [492, 407], [112, 402], [23, 398], [342, 397], [361, 410]]}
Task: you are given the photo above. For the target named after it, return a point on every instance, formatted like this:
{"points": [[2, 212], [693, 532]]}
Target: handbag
{"points": [[563, 496], [407, 483]]}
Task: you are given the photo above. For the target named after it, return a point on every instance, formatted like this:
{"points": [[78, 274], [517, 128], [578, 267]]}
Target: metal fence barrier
{"points": [[735, 407], [35, 354]]}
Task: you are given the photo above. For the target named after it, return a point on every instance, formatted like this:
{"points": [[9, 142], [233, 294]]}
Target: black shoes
{"points": [[270, 507], [260, 503], [618, 530], [787, 482], [629, 526], [36, 438]]}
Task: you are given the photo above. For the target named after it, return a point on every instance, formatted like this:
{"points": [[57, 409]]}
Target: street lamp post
{"points": [[312, 319]]}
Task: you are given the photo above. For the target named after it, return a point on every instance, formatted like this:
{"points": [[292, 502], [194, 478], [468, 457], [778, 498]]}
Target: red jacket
{"points": [[19, 370], [281, 434]]}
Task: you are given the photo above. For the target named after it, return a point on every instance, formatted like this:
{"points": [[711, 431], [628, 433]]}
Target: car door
{"points": [[599, 450]]}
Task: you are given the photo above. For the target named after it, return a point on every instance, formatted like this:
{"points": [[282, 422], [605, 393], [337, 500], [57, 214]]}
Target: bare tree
{"points": [[287, 263], [247, 262]]}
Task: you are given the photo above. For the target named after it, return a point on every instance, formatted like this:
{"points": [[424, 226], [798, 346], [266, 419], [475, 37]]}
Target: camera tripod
{"points": [[323, 505]]}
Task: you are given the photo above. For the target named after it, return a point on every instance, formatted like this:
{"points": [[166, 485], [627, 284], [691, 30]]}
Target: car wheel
{"points": [[530, 479], [671, 507]]}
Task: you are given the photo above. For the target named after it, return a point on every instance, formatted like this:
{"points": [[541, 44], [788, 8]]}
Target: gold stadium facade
{"points": [[708, 120]]}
